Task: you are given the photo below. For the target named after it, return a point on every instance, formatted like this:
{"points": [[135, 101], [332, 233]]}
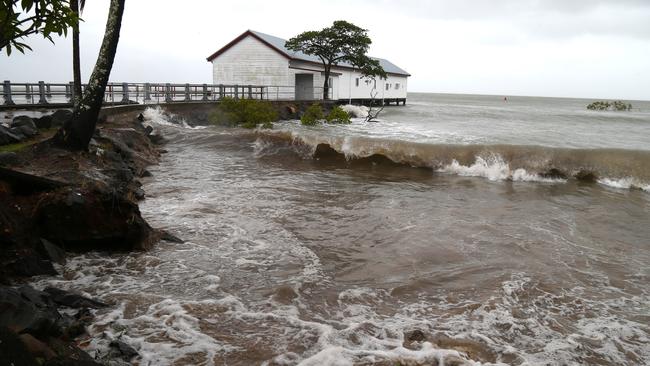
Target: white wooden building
{"points": [[259, 59]]}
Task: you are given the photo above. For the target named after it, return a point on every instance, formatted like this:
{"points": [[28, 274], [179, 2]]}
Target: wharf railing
{"points": [[42, 93]]}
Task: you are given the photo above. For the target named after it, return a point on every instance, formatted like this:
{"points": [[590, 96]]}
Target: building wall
{"points": [[251, 62], [348, 87]]}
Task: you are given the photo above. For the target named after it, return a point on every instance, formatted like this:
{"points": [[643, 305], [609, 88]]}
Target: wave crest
{"points": [[523, 163]]}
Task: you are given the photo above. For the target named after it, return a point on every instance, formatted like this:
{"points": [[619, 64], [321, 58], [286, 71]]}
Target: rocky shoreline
{"points": [[56, 202]]}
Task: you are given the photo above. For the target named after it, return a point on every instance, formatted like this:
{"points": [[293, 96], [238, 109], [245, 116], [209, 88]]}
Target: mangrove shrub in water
{"points": [[314, 115], [609, 106], [338, 115], [247, 113]]}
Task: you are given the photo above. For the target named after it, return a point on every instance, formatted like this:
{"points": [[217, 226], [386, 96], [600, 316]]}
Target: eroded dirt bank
{"points": [[55, 202]]}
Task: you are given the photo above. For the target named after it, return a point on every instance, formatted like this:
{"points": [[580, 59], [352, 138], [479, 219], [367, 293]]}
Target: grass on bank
{"points": [[19, 146]]}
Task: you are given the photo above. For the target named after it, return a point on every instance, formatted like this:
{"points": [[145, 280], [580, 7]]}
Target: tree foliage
{"points": [[21, 18], [342, 42]]}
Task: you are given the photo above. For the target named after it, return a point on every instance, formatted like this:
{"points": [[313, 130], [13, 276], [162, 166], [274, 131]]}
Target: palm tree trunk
{"points": [[76, 67], [76, 133]]}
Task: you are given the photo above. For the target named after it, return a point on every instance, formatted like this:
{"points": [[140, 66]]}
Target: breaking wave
{"points": [[158, 116], [616, 168], [356, 111]]}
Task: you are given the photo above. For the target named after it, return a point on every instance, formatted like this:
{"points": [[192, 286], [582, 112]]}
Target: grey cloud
{"points": [[539, 18]]}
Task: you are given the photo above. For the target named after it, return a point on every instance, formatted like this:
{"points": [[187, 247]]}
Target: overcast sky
{"points": [[572, 48]]}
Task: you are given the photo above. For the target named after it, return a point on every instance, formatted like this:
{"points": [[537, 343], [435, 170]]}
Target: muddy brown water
{"points": [[291, 259]]}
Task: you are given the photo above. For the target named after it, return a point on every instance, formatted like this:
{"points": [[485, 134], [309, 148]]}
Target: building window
{"points": [[356, 82], [375, 85], [396, 86], [387, 86]]}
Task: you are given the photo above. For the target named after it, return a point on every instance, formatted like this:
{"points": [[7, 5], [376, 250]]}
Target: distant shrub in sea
{"points": [[609, 106], [622, 106], [247, 113], [313, 115], [338, 115]]}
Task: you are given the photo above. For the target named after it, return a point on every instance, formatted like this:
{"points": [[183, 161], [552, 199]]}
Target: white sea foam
{"points": [[157, 116], [625, 183], [164, 334], [357, 111], [494, 168]]}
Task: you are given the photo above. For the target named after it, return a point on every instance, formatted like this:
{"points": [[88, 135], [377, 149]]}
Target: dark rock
{"points": [[56, 254], [19, 121], [586, 176], [84, 315], [27, 131], [157, 139], [145, 173], [60, 117], [24, 311], [13, 350], [74, 198], [126, 351], [139, 194], [9, 158], [164, 235], [289, 112], [65, 322], [148, 130], [27, 183], [43, 122], [63, 361], [415, 336], [122, 176], [7, 136], [18, 132], [69, 354], [413, 339], [36, 347], [36, 297], [553, 173], [93, 145], [103, 221], [72, 300], [113, 157], [31, 266], [197, 118], [140, 117], [78, 325], [74, 329]]}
